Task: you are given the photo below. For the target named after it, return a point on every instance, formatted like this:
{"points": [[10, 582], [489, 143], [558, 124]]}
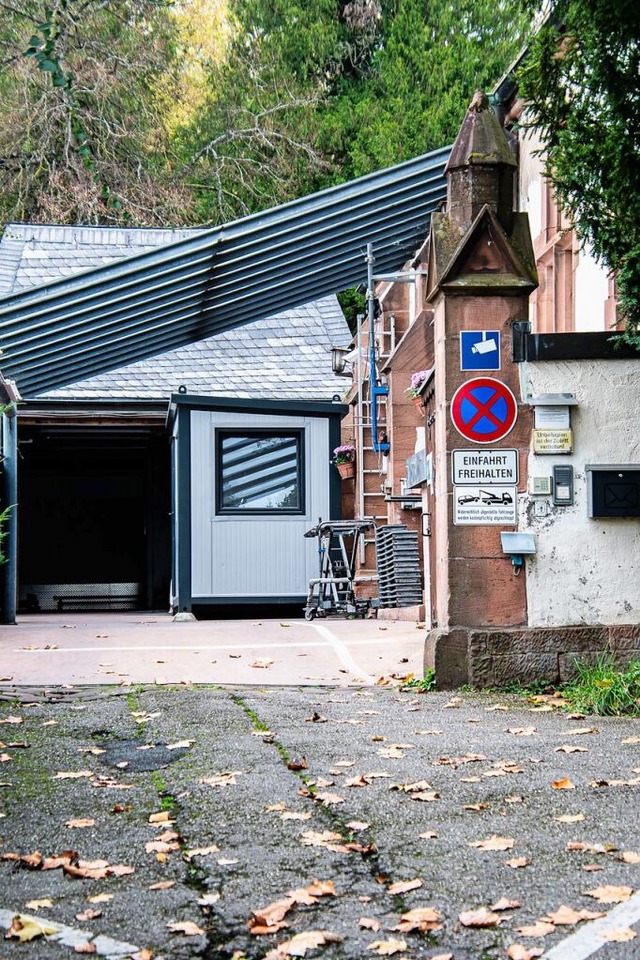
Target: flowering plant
{"points": [[417, 379], [344, 454]]}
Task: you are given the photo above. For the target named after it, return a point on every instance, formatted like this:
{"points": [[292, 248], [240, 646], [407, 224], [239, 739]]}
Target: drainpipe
{"points": [[376, 390]]}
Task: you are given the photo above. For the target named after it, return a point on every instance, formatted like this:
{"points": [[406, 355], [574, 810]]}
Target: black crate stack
{"points": [[399, 580]]}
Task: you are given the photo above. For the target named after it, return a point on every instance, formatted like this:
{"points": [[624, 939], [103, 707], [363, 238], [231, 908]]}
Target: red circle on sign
{"points": [[484, 410]]}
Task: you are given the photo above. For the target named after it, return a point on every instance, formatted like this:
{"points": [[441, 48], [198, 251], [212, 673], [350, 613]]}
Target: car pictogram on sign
{"points": [[484, 410]]}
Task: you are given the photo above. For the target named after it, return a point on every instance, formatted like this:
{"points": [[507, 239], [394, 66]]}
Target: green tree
{"points": [[580, 81]]}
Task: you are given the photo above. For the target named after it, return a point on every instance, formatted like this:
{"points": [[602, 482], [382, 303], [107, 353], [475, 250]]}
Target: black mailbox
{"points": [[614, 490]]}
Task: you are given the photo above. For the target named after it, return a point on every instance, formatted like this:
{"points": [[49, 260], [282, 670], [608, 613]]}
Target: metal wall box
{"points": [[418, 469], [613, 490]]}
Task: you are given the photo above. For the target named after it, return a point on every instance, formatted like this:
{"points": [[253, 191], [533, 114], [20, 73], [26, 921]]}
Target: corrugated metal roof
{"points": [[126, 311]]}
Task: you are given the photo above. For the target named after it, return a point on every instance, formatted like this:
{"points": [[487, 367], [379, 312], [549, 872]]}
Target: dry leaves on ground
{"points": [[538, 929], [270, 919], [404, 886], [422, 919], [610, 894], [302, 942], [564, 783], [621, 935], [568, 917], [187, 927], [387, 948], [24, 929], [519, 952], [493, 843], [224, 779], [482, 917]]}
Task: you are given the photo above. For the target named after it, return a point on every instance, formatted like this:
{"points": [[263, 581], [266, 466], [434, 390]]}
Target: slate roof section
{"points": [[287, 356]]}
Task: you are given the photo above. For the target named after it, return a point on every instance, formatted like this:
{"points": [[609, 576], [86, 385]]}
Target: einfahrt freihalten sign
{"points": [[486, 467]]}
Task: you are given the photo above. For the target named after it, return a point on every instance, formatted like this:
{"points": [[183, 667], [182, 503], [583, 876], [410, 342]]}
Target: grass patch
{"points": [[421, 685], [605, 689]]}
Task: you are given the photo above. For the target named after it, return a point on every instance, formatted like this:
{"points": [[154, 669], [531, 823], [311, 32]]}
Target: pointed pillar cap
{"points": [[481, 140]]}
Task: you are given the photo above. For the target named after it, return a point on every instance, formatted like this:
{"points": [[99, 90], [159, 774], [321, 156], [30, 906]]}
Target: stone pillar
{"points": [[481, 272]]}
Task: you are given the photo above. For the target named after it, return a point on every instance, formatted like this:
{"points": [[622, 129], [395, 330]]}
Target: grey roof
{"points": [[287, 356], [77, 327], [280, 358]]}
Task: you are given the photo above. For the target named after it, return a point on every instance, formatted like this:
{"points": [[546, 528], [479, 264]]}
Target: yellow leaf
{"points": [[39, 904], [25, 928]]}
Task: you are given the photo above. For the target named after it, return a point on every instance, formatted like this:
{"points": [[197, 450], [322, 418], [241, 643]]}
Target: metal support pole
{"points": [[9, 569]]}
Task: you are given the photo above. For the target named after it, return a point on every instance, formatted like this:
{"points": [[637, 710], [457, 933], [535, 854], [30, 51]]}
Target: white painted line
{"points": [[588, 939], [342, 653], [226, 646], [71, 936]]}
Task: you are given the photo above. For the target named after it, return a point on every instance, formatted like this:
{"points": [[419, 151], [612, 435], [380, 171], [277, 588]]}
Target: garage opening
{"points": [[94, 509]]}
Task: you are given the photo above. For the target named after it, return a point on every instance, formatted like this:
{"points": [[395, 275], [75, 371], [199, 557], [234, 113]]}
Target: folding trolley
{"points": [[333, 590]]}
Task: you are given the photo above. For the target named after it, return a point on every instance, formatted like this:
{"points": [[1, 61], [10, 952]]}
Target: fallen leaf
{"points": [[403, 886], [226, 779], [422, 919], [329, 799], [200, 851], [163, 816], [163, 885], [227, 861], [262, 664], [580, 731], [368, 923], [428, 835], [208, 899], [39, 904], [12, 719], [271, 916], [297, 946], [293, 815], [475, 806], [568, 748], [519, 952], [518, 862], [567, 917], [493, 843], [79, 823], [187, 927], [88, 914], [86, 947], [180, 744], [26, 928], [161, 846], [357, 825], [610, 894], [521, 731], [629, 856], [631, 740], [538, 929], [316, 718], [386, 948], [72, 774], [480, 918], [622, 935], [100, 898], [563, 784], [570, 818], [505, 904], [297, 764]]}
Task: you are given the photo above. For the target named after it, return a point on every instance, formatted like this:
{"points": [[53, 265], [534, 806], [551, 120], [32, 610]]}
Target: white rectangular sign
{"points": [[480, 505], [485, 467]]}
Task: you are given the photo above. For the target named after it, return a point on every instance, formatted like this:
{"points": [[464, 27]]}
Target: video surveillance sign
{"points": [[480, 350]]}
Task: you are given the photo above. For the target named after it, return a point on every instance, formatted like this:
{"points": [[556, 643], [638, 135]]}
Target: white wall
{"points": [[585, 571], [591, 279], [254, 556]]}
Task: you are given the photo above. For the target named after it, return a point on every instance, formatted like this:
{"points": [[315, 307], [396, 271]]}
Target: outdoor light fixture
{"points": [[339, 361]]}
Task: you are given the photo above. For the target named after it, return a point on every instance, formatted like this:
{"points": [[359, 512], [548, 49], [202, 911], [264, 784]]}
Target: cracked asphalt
{"points": [[230, 788]]}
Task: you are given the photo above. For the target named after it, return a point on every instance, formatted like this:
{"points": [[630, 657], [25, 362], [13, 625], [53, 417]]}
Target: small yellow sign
{"points": [[552, 441]]}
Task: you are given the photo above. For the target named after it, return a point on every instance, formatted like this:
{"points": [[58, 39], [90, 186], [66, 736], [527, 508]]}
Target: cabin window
{"points": [[260, 472]]}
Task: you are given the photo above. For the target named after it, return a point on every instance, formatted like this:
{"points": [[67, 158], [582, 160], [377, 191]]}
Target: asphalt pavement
{"points": [[179, 821]]}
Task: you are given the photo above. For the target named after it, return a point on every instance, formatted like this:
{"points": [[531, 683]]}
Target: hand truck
{"points": [[332, 592]]}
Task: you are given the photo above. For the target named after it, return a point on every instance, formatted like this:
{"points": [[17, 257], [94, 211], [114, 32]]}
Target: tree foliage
{"points": [[581, 81], [82, 136]]}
